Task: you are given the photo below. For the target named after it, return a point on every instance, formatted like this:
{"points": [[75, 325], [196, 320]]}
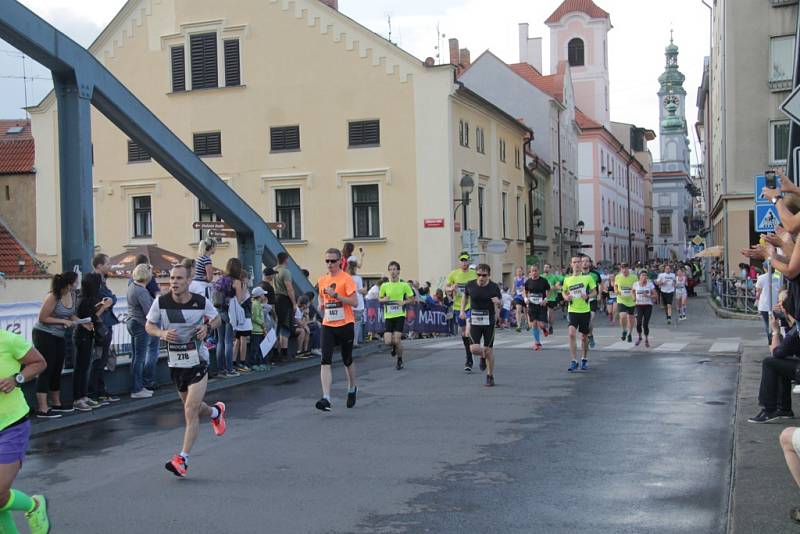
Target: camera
{"points": [[771, 181]]}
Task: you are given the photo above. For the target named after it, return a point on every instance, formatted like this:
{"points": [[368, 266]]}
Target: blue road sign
{"points": [[761, 183], [767, 218]]}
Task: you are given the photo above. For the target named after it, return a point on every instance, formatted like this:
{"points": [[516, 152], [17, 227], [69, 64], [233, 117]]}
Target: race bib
{"points": [[334, 311], [480, 318], [576, 291], [183, 355], [625, 291], [535, 299], [392, 309]]}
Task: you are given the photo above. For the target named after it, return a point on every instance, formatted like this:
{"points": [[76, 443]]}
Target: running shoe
{"points": [[324, 405], [219, 423], [82, 406], [232, 374], [669, 321], [638, 342], [63, 408], [107, 397], [468, 367], [591, 342], [482, 364], [764, 417], [394, 351], [177, 466], [399, 364], [49, 414], [785, 414], [38, 521], [489, 381], [537, 346], [351, 397], [518, 329], [92, 403], [316, 352], [573, 366], [584, 364], [630, 339], [647, 343], [624, 335], [551, 330], [545, 332]]}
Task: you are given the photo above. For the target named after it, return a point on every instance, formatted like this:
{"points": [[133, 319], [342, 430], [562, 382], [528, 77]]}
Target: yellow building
{"points": [[312, 119]]}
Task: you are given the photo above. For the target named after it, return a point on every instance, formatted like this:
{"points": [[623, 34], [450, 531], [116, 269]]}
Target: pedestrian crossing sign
{"points": [[766, 218], [761, 183]]}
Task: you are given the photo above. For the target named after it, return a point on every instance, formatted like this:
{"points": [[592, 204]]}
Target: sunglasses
{"points": [[331, 261], [482, 275]]}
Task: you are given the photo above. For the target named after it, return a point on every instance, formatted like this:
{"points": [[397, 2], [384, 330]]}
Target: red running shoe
{"points": [[219, 422], [537, 346], [177, 466], [545, 332]]}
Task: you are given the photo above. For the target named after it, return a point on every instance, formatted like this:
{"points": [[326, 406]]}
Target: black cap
{"points": [[269, 271]]}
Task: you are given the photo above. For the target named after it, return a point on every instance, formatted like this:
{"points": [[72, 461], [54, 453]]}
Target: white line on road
{"points": [[619, 345], [670, 347], [720, 346]]}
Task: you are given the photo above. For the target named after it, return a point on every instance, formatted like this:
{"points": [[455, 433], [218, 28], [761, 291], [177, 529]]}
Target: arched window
{"points": [[575, 52]]}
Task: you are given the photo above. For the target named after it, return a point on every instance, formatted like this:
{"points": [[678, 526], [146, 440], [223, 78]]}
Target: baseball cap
{"points": [[269, 271], [258, 292], [464, 256]]}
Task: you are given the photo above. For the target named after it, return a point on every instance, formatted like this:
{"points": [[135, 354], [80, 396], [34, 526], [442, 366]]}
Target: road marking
{"points": [[670, 347], [619, 345], [721, 346], [444, 344]]}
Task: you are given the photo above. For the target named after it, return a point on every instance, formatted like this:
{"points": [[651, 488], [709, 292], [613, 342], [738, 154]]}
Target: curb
{"points": [[166, 395], [726, 314]]}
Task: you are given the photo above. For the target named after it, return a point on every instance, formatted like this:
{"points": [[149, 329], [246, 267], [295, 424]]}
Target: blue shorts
{"points": [[519, 300], [459, 321], [503, 314], [14, 442]]}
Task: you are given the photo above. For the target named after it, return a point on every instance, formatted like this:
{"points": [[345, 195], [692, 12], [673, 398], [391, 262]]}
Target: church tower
{"points": [[674, 140], [579, 36]]}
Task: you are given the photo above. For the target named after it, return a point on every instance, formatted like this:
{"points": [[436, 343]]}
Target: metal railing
{"points": [[735, 294]]}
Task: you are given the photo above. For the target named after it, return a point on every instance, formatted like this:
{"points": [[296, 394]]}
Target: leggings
{"points": [[52, 348], [643, 312], [84, 345]]}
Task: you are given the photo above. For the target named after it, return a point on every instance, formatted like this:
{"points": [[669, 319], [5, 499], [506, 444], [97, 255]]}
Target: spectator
{"points": [[90, 306], [268, 275], [352, 270], [152, 285], [762, 297], [103, 335], [139, 302], [260, 327], [347, 253], [55, 316], [153, 343], [243, 326], [203, 268], [314, 329], [505, 312], [221, 292], [285, 304], [300, 328]]}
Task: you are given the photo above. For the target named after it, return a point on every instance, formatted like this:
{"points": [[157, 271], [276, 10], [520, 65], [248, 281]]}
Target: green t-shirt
{"points": [[574, 285], [625, 284], [397, 293], [12, 405], [460, 278], [553, 279]]}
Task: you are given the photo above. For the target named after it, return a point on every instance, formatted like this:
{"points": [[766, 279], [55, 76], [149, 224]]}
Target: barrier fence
{"points": [[734, 294]]}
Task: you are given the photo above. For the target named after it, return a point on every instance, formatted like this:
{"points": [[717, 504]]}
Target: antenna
{"points": [[438, 47], [389, 21]]}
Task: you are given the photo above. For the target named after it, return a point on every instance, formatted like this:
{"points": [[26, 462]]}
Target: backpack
{"points": [[221, 292]]}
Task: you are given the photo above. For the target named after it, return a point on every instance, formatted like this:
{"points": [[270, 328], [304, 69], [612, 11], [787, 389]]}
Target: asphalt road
{"points": [[640, 443]]}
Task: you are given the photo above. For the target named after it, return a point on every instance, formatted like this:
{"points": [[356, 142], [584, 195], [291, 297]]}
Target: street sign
{"points": [[456, 226], [791, 106], [496, 246], [766, 217], [277, 226], [221, 233], [433, 223], [697, 240], [210, 225], [761, 183]]}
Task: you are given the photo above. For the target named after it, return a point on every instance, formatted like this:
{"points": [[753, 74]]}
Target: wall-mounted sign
{"points": [[434, 223]]}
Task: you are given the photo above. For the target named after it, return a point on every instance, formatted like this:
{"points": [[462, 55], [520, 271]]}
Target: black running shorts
{"points": [[284, 313], [593, 305], [537, 313], [552, 304], [580, 321], [622, 308], [666, 298], [485, 332], [395, 324], [183, 378], [338, 335]]}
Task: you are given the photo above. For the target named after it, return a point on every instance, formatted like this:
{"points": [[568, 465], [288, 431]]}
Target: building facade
{"points": [[18, 181], [343, 137]]}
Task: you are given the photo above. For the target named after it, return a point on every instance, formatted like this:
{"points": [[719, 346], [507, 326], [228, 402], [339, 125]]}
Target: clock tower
{"points": [[674, 139]]}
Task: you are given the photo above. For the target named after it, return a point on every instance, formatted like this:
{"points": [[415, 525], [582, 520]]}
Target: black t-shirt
{"points": [[269, 291], [481, 297], [537, 288], [87, 307]]}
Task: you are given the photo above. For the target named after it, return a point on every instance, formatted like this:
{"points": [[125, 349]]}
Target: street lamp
{"points": [[580, 226], [537, 213], [467, 185], [605, 231]]}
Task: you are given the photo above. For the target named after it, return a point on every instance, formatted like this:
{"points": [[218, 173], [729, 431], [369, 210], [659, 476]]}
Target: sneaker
{"points": [[232, 374], [482, 364], [489, 381], [468, 367], [537, 346], [624, 335], [669, 321], [764, 417], [324, 405], [584, 364], [630, 338], [49, 414], [591, 342], [647, 343], [545, 332], [351, 397], [38, 521], [550, 330], [143, 394], [82, 406], [794, 513], [573, 366], [316, 352], [399, 364], [177, 466], [65, 408], [92, 403], [219, 423], [394, 351], [638, 342], [107, 397], [785, 414], [100, 402], [243, 369], [518, 329]]}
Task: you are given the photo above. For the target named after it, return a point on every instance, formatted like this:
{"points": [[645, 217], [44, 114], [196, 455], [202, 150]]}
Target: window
{"points": [[575, 53], [137, 152], [206, 214], [233, 73], [287, 207], [778, 141], [502, 150], [366, 215], [520, 220], [8, 193], [284, 138], [481, 192], [203, 50], [461, 133], [480, 140], [516, 157], [365, 133], [142, 217], [208, 144], [665, 224], [466, 134], [505, 214], [178, 60], [781, 51]]}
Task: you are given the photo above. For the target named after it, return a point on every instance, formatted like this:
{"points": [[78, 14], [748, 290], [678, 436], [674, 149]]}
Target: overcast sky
{"points": [[636, 43]]}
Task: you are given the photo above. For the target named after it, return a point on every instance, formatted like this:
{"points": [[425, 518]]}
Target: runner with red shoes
{"points": [[484, 296], [536, 290], [183, 320]]}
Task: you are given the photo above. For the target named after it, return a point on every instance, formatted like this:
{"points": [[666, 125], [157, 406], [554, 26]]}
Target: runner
{"points": [[337, 296], [611, 303], [555, 281], [645, 292], [588, 269], [626, 300], [456, 282], [395, 294], [536, 290], [681, 282], [183, 320], [20, 362], [484, 296], [666, 282], [578, 288], [519, 299]]}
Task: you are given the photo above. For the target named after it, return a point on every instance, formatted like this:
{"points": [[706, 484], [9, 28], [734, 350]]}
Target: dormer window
{"points": [[575, 52]]}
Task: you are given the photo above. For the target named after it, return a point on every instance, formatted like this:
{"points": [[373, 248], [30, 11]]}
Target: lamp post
{"points": [[467, 185], [537, 214]]}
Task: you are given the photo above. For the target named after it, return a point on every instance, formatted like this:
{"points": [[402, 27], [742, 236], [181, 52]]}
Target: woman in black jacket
{"points": [[90, 307]]}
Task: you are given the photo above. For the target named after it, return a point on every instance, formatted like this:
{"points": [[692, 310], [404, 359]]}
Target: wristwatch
{"points": [[19, 378], [776, 199]]}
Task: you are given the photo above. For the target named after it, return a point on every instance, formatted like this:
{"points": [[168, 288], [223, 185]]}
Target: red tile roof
{"points": [[584, 121], [11, 253], [16, 149], [6, 125], [582, 6]]}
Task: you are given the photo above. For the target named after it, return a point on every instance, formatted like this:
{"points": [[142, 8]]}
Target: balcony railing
{"points": [[782, 2], [780, 85]]}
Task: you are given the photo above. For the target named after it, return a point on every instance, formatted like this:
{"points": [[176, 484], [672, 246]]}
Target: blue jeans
{"points": [[153, 349], [359, 316], [765, 318], [225, 341], [254, 356], [139, 354], [315, 335]]}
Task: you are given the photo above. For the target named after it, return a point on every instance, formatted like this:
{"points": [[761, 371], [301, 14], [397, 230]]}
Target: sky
{"points": [[636, 43]]}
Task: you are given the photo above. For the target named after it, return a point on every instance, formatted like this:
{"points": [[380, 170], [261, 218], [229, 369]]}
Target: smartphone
{"points": [[770, 179]]}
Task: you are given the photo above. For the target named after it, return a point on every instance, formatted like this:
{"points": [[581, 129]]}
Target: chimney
{"points": [[464, 58], [333, 4], [530, 48]]}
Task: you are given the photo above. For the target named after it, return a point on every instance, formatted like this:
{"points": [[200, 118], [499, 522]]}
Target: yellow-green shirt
{"points": [[397, 293], [460, 279], [625, 284], [575, 285], [13, 406]]}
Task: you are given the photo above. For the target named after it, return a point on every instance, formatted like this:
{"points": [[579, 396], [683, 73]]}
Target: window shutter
{"points": [[136, 152], [178, 56], [284, 138], [204, 60], [233, 75], [208, 144], [365, 133]]}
